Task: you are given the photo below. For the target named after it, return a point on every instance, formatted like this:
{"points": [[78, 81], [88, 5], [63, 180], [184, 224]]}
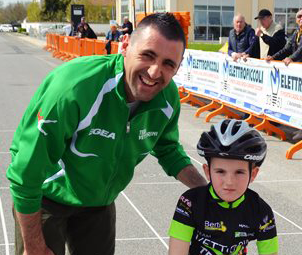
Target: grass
{"points": [[204, 46]]}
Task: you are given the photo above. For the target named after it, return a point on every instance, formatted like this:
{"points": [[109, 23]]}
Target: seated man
{"points": [[242, 40], [112, 35], [292, 51], [271, 35]]}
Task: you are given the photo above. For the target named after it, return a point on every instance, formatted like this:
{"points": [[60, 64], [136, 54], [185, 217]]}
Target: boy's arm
{"points": [[178, 247]]}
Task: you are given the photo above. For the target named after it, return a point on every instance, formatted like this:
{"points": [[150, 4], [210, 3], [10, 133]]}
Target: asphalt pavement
{"points": [[146, 206]]}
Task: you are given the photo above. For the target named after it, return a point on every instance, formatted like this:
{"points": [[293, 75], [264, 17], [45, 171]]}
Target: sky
{"points": [[7, 2]]}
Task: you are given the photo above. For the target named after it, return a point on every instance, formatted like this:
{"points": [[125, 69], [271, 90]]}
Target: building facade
{"points": [[213, 19]]}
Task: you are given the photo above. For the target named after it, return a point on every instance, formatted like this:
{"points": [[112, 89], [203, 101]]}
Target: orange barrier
{"points": [[114, 47], [89, 47], [99, 47]]}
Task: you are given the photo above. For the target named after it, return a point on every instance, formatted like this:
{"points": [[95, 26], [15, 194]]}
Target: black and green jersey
{"points": [[75, 143], [215, 227]]}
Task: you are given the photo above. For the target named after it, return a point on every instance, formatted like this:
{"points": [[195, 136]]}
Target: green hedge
{"points": [[204, 46]]}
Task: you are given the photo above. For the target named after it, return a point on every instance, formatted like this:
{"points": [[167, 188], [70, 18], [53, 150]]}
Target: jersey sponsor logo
{"points": [[143, 134], [183, 212], [268, 224], [186, 201], [243, 234], [243, 226], [103, 133], [217, 226], [223, 154], [253, 157], [42, 121]]}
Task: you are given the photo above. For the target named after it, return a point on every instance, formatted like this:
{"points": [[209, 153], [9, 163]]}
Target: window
{"points": [[213, 19], [140, 5], [285, 14], [159, 5], [124, 9]]}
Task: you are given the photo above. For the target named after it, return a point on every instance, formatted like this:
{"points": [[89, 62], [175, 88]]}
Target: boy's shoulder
{"points": [[197, 193], [252, 197]]}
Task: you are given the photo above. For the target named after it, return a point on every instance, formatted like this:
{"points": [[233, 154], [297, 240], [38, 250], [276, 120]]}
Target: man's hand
{"points": [[269, 58], [235, 56], [287, 61], [245, 56], [258, 32], [45, 251], [191, 177]]}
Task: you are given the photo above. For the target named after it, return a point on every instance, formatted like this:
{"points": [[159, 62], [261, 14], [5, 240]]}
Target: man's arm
{"points": [[191, 177], [31, 229]]}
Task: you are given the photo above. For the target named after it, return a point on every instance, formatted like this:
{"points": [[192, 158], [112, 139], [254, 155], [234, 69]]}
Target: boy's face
{"points": [[230, 177]]}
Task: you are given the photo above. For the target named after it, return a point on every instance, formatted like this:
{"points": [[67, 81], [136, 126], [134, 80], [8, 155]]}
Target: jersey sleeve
{"points": [[267, 240], [182, 225], [39, 143]]}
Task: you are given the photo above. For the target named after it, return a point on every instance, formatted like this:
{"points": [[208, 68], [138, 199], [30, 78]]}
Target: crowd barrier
{"points": [[69, 47], [265, 91]]}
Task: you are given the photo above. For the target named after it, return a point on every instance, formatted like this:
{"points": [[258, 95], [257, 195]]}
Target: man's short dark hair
{"points": [[166, 24]]}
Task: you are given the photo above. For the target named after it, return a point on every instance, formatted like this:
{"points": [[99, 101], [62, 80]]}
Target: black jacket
{"points": [[292, 49], [275, 42], [244, 42]]}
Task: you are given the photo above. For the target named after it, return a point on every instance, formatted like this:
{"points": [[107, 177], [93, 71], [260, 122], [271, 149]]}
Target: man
{"points": [[82, 135], [81, 24], [112, 35], [271, 35], [292, 51], [242, 40], [127, 27]]}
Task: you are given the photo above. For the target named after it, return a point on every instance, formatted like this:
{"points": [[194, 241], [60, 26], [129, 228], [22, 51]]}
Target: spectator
{"points": [[83, 21], [80, 32], [242, 40], [271, 35], [127, 27], [77, 145], [88, 32], [112, 35], [69, 29], [292, 51]]}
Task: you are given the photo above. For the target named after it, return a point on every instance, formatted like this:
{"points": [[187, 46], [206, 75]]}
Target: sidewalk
{"points": [[32, 40]]}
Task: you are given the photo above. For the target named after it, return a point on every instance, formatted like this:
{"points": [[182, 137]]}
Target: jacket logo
{"points": [[268, 224], [143, 134], [218, 226], [42, 121], [102, 132]]}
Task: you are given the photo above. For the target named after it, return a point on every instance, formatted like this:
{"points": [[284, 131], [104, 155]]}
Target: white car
{"points": [[6, 28]]}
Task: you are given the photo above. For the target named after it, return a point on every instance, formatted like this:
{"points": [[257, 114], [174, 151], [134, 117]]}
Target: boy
{"points": [[224, 216]]}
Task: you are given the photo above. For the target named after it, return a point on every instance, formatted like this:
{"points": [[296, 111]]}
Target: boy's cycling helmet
{"points": [[233, 139]]}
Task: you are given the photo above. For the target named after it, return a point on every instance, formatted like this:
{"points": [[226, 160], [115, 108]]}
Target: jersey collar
{"points": [[223, 203]]}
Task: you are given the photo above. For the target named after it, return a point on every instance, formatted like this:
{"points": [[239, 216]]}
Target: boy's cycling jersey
{"points": [[217, 227]]}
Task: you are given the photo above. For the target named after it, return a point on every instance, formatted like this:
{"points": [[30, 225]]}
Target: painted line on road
{"points": [[288, 220], [7, 130], [145, 220], [6, 243]]}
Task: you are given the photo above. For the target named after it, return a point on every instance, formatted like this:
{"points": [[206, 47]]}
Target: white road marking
{"points": [[6, 243], [145, 220], [288, 220]]}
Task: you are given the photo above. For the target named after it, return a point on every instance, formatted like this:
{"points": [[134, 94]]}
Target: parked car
{"points": [[6, 28]]}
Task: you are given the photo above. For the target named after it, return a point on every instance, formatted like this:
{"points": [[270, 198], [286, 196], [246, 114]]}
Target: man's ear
{"points": [[125, 43], [206, 170]]}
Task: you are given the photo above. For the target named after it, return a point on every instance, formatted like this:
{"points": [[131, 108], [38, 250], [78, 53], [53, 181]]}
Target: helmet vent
{"points": [[224, 126], [245, 138], [236, 127], [254, 149]]}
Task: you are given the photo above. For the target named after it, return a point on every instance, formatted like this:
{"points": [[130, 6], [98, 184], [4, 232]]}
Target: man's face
{"points": [[239, 24], [266, 21], [82, 20], [299, 19], [126, 21], [230, 177], [113, 29], [150, 62]]}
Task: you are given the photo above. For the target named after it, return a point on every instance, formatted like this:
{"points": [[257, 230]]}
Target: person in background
{"points": [[292, 51], [69, 29], [271, 35], [127, 27], [112, 35], [242, 40], [88, 32], [83, 21]]}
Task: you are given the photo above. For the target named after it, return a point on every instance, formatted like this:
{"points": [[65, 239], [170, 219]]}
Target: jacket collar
{"points": [[222, 203]]}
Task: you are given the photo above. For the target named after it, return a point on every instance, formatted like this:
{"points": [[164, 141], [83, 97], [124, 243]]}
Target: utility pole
{"points": [[134, 18]]}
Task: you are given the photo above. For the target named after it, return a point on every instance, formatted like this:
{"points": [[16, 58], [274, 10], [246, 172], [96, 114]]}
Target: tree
{"points": [[33, 12], [54, 10], [13, 13]]}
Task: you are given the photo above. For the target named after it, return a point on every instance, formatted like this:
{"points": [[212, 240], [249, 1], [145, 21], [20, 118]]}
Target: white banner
{"points": [[256, 86]]}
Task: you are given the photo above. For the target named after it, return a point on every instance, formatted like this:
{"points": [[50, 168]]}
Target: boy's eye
{"points": [[240, 172]]}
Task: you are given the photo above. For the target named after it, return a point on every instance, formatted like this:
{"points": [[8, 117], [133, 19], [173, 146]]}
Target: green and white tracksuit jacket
{"points": [[75, 143]]}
